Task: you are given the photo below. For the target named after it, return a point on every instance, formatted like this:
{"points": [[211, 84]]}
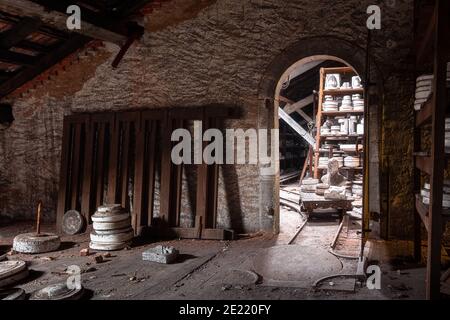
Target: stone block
{"points": [[160, 254]]}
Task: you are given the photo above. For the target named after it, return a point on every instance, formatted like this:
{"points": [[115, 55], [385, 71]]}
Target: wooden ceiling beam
{"points": [[58, 20], [19, 32], [17, 58], [42, 64], [34, 46]]}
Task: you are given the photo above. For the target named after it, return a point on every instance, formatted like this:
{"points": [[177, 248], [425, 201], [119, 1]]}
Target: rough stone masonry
{"points": [[198, 53]]}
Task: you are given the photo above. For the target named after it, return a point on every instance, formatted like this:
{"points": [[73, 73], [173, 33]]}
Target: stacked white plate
{"points": [[346, 104], [335, 130], [350, 147], [112, 228], [323, 162], [330, 106], [358, 102], [425, 193], [351, 162], [325, 131], [424, 86]]}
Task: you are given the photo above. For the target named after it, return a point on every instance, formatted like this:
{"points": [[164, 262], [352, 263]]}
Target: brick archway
{"points": [[334, 49]]}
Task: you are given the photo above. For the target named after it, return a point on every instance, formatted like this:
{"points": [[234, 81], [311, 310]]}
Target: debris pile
{"points": [[112, 228]]}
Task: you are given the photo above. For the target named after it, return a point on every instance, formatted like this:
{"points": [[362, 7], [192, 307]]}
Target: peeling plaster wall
{"points": [[217, 53]]}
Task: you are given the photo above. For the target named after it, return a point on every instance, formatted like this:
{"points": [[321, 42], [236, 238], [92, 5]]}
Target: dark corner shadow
{"points": [[4, 249], [67, 245], [87, 294], [233, 198], [231, 185]]}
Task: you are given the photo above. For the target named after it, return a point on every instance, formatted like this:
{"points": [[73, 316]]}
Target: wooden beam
{"points": [[292, 107], [86, 197], [139, 209], [58, 20], [17, 58], [426, 42], [42, 64], [63, 175], [34, 46], [166, 174], [319, 123], [437, 151], [19, 32], [304, 115], [296, 127]]}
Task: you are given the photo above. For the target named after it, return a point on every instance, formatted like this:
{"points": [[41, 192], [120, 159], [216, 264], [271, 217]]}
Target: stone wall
{"points": [[214, 52]]}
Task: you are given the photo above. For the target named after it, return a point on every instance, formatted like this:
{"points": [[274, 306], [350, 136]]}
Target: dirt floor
{"points": [[209, 269]]}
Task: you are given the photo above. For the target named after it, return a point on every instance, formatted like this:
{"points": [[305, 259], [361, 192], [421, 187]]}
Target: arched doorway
{"points": [[309, 52], [321, 123]]}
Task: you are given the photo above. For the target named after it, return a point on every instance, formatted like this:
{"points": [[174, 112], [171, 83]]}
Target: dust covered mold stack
{"points": [[112, 228], [12, 271]]}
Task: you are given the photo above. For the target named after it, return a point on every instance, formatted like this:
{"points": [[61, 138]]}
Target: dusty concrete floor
{"points": [[205, 269]]}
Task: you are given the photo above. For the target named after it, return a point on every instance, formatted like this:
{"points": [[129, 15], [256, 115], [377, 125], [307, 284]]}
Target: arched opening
{"points": [[320, 104], [294, 60]]}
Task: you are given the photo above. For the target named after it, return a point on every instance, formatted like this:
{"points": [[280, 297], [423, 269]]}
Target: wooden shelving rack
{"points": [[433, 163], [320, 114]]}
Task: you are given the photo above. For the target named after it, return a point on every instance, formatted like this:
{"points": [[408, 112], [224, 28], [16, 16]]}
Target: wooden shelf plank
{"points": [[424, 164], [424, 115], [341, 113], [343, 92], [343, 137], [344, 168], [339, 70]]}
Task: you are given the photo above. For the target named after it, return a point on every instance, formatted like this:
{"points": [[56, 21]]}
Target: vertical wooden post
{"points": [[38, 217], [212, 187], [62, 192], [125, 163], [75, 165], [437, 151], [202, 190], [100, 164], [86, 197], [152, 158], [318, 124], [176, 187], [166, 172], [113, 162], [138, 194]]}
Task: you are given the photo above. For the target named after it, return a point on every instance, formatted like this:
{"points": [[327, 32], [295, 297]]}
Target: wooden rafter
{"points": [[19, 32], [93, 29], [42, 64], [22, 46]]}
